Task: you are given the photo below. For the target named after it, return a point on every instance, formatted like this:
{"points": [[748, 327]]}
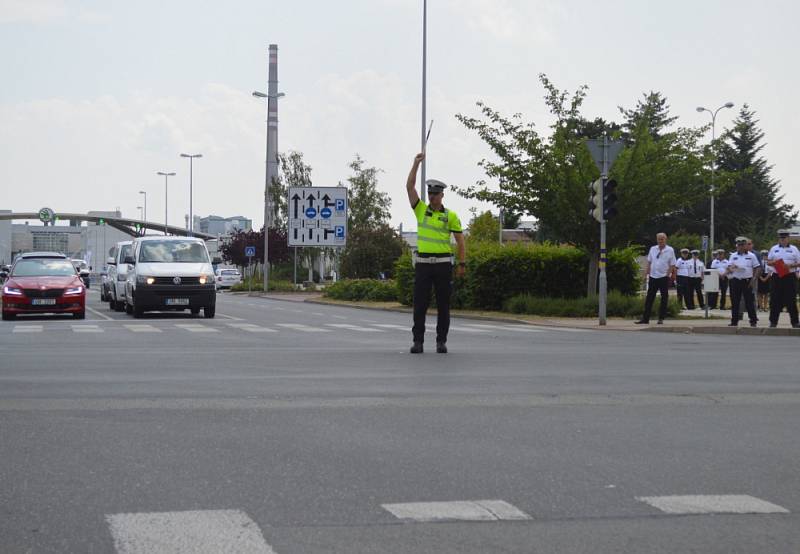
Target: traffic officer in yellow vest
{"points": [[434, 259], [784, 288]]}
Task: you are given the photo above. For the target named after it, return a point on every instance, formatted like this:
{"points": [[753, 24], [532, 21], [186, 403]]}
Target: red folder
{"points": [[781, 269]]}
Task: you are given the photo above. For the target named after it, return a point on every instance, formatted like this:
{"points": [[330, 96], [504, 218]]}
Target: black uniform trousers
{"points": [[740, 291], [696, 287], [655, 285], [440, 277], [784, 293], [684, 294]]}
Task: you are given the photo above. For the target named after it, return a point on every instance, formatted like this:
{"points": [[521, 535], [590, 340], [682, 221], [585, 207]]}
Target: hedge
{"points": [[362, 289], [276, 285], [618, 305], [496, 273]]}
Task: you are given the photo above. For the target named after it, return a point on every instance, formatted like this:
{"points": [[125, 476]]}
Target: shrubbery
{"points": [[275, 285], [362, 289], [497, 272], [618, 305]]}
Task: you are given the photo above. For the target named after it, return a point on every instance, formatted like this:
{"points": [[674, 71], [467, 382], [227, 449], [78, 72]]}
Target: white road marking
{"points": [[304, 328], [517, 328], [195, 532], [87, 329], [349, 327], [392, 326], [459, 510], [251, 328], [196, 328], [95, 312], [229, 317], [339, 317], [317, 313], [27, 329], [713, 504], [141, 328]]}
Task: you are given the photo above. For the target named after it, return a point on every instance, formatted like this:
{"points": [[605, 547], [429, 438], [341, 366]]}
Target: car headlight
{"points": [[145, 280], [12, 291], [73, 290], [206, 279]]}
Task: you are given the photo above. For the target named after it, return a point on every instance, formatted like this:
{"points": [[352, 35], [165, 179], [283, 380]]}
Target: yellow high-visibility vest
{"points": [[434, 228]]}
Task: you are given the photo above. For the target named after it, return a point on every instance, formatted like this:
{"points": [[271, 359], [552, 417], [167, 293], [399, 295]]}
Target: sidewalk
{"points": [[691, 321]]}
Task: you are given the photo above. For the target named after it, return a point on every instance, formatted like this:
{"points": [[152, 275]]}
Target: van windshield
{"points": [[173, 251], [124, 252]]}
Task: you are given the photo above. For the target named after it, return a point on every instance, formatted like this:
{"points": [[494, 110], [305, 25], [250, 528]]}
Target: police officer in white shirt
{"points": [[741, 267], [721, 265], [696, 268], [784, 289], [660, 268], [682, 281]]}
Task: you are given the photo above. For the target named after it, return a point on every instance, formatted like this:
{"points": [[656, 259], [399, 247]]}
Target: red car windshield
{"points": [[43, 268]]}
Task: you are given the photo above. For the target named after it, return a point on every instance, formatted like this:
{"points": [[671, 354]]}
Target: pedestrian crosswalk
{"points": [[233, 530], [222, 326]]}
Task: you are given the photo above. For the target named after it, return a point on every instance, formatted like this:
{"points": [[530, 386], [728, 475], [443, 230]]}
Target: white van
{"points": [[169, 273], [118, 275]]}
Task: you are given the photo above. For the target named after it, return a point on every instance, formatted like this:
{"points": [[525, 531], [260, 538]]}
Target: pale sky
{"points": [[98, 96]]}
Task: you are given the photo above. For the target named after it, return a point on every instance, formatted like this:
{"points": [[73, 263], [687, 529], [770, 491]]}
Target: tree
{"points": [[233, 249], [294, 172], [653, 112], [751, 204], [484, 228], [368, 207], [370, 252], [548, 177]]}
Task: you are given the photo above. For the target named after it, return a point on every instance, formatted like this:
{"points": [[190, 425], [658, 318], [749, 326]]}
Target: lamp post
{"points": [[422, 187], [141, 217], [271, 165], [701, 109], [144, 216], [191, 214], [166, 205]]}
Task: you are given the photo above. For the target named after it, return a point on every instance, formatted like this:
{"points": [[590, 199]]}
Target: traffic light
{"points": [[609, 199], [596, 200], [101, 221]]}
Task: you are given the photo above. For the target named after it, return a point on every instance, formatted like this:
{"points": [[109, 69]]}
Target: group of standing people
{"points": [[743, 273]]}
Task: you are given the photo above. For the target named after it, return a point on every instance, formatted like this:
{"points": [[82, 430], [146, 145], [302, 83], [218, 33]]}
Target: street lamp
{"points": [[166, 205], [141, 217], [191, 215], [701, 109], [144, 217], [267, 200]]}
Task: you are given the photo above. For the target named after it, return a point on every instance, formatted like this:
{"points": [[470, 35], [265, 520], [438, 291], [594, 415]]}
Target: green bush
{"points": [[275, 285], [618, 305], [624, 272], [362, 289]]}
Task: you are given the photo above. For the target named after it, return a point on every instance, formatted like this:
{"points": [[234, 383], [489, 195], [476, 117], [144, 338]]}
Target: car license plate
{"points": [[43, 301], [177, 302]]}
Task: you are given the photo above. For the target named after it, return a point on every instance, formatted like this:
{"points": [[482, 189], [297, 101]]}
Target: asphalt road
{"points": [[295, 428]]}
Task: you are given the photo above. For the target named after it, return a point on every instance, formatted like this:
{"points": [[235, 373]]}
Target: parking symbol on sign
{"points": [[340, 204], [340, 231], [250, 251]]}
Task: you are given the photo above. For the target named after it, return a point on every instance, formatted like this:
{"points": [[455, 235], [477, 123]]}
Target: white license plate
{"points": [[43, 301], [177, 302]]}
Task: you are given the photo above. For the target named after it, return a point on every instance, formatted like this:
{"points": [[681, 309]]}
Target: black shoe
{"points": [[441, 348], [795, 325], [660, 322], [773, 325], [733, 324], [416, 348], [642, 322], [753, 324]]}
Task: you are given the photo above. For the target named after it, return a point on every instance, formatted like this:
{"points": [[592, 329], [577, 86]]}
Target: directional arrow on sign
{"points": [[310, 201], [327, 200], [328, 231], [296, 199]]}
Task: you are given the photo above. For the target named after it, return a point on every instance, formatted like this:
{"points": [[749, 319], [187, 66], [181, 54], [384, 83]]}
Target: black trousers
{"points": [[684, 294], [654, 285], [783, 293], [696, 287], [440, 277], [741, 291]]}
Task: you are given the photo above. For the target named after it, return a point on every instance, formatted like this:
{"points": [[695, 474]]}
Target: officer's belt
{"points": [[435, 260]]}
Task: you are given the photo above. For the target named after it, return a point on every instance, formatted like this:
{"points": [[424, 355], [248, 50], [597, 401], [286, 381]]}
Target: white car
{"points": [[227, 277]]}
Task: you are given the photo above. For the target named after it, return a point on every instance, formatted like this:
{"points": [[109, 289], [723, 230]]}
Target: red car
{"points": [[43, 283]]}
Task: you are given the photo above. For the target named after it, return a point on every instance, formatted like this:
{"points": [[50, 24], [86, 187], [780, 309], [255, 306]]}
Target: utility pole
{"points": [[422, 187]]}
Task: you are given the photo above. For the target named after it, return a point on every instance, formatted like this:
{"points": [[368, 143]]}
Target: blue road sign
{"points": [[325, 213], [340, 231], [311, 213], [340, 204], [250, 251]]}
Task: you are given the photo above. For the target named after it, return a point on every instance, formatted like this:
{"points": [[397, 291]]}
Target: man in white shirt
{"points": [[696, 268], [682, 280], [784, 289], [660, 268], [721, 265], [741, 268]]}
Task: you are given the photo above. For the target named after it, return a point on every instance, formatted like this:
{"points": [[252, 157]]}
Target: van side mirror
{"points": [[216, 261], [129, 260], [111, 261], [3, 274]]}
